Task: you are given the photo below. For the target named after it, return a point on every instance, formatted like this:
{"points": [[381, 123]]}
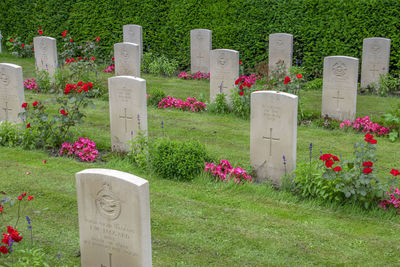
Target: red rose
{"points": [[1, 208], [237, 82], [11, 40], [20, 198], [23, 194], [299, 76], [394, 172], [63, 112], [71, 40], [24, 105], [369, 136], [28, 125], [112, 59], [9, 229], [92, 58], [240, 62], [22, 45], [337, 168], [3, 250], [241, 87], [325, 157], [34, 103], [329, 163], [367, 170], [40, 32], [287, 79], [5, 239], [80, 58], [90, 85], [79, 83], [335, 158], [373, 141], [64, 33], [367, 164], [29, 198], [241, 93], [15, 236]]}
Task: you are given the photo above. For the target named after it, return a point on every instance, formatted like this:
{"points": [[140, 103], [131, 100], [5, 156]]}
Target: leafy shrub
{"points": [[9, 134], [219, 105], [181, 160], [147, 59], [163, 66], [156, 95], [44, 82], [139, 153], [314, 85], [387, 84], [392, 120]]}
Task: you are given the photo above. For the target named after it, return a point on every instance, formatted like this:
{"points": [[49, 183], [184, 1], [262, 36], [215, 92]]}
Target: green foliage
{"points": [[139, 153], [181, 160], [315, 85], [387, 84], [19, 47], [219, 105], [392, 120], [163, 66], [9, 134], [44, 82], [156, 95], [30, 257], [241, 103], [147, 59]]}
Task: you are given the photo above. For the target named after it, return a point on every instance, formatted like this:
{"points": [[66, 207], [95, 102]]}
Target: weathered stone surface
{"points": [[375, 60], [45, 54], [224, 71], [200, 47], [114, 219], [128, 110], [273, 135], [11, 92], [339, 92], [127, 59], [280, 50], [133, 34]]}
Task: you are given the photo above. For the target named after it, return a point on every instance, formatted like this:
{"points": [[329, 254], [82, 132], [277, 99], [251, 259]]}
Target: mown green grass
{"points": [[203, 223]]}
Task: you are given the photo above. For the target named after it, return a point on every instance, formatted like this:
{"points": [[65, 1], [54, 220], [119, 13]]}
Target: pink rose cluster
{"points": [[191, 104], [30, 84], [365, 125], [197, 76], [226, 172], [110, 68], [84, 148], [251, 79]]}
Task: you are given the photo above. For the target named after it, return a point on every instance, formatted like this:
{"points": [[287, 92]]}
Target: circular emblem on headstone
{"points": [[124, 53], [132, 31], [107, 203], [375, 48], [4, 80], [279, 42], [339, 69], [221, 59], [43, 45]]}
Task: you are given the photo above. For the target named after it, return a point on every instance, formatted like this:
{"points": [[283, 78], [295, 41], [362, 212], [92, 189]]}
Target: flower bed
{"points": [[191, 104], [365, 125]]}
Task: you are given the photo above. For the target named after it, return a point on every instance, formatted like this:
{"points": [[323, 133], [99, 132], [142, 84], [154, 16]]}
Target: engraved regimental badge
{"points": [[107, 203]]}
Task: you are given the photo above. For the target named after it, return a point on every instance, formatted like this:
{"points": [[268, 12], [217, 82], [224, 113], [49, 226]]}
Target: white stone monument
{"points": [[280, 50], [127, 59], [375, 60], [339, 90], [45, 54], [200, 47], [11, 92], [128, 110], [133, 34], [273, 135], [114, 219], [224, 71]]}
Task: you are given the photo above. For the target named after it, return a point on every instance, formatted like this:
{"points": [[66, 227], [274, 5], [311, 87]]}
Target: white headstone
{"points": [[114, 219], [45, 54], [224, 71], [11, 92], [339, 90], [128, 110], [280, 50], [133, 34], [200, 47], [375, 60], [127, 59], [273, 134]]}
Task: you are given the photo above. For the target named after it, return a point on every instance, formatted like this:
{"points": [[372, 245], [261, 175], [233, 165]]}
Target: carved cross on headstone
{"points": [[109, 259], [270, 138], [221, 87], [337, 98], [6, 109], [126, 117]]}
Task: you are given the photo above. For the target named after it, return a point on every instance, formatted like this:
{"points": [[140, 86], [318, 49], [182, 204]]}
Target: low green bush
{"points": [[156, 95], [315, 85], [181, 160]]}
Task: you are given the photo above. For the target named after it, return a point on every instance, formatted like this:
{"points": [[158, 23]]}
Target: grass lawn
{"points": [[204, 223]]}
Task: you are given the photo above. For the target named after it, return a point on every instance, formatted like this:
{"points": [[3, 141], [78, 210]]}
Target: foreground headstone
{"points": [[280, 50], [128, 110], [45, 54], [224, 71], [133, 34], [200, 47], [114, 219], [11, 92], [375, 60], [127, 59], [273, 135], [339, 90]]}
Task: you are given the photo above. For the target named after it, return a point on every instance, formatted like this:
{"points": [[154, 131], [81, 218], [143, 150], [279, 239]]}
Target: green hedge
{"points": [[320, 27]]}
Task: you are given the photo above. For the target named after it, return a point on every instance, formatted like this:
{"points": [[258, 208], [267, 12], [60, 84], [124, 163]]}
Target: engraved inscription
{"points": [[375, 48], [338, 98], [339, 69], [271, 113], [4, 79], [107, 203], [124, 95], [126, 118], [6, 109]]}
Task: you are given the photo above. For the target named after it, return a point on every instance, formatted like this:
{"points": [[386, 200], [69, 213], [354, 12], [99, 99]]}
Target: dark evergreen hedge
{"points": [[320, 27]]}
